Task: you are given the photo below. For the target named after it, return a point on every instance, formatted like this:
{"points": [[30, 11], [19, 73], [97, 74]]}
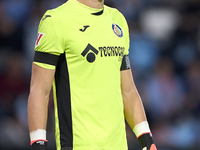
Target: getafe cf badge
{"points": [[118, 31]]}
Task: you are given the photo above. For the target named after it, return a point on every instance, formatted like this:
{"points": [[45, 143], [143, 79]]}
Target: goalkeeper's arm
{"points": [[41, 82], [134, 111]]}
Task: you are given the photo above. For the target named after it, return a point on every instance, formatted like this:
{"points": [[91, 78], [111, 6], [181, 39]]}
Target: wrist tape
{"points": [[143, 133], [38, 135], [141, 128]]}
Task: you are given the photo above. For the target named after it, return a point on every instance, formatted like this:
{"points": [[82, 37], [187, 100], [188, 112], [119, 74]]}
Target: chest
{"points": [[98, 36]]}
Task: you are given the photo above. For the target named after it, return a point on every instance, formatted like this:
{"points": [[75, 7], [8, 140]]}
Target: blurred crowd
{"points": [[165, 59]]}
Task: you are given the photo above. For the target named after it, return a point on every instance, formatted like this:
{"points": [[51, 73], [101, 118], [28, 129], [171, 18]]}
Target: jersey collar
{"points": [[98, 13], [92, 11]]}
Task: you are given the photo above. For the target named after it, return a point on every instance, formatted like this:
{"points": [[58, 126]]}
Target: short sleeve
{"points": [[127, 38], [48, 46]]}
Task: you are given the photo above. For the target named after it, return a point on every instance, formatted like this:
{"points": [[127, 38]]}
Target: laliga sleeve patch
{"points": [[125, 63], [39, 37]]}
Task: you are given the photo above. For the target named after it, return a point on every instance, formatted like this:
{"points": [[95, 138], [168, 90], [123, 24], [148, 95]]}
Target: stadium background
{"points": [[165, 58]]}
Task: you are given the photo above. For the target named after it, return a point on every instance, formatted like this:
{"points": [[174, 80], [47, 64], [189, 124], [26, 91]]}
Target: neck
{"points": [[93, 3]]}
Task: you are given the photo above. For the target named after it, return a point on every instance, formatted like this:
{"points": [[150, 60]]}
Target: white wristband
{"points": [[38, 134], [141, 128]]}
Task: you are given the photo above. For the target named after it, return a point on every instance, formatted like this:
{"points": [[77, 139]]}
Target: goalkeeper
{"points": [[82, 48]]}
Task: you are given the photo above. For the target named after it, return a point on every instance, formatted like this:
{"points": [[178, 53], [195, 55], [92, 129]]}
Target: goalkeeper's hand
{"points": [[146, 141], [39, 145]]}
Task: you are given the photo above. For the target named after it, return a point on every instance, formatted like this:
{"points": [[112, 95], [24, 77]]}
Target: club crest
{"points": [[117, 30]]}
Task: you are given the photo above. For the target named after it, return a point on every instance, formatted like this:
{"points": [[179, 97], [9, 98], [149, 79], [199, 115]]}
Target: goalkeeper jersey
{"points": [[85, 46]]}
